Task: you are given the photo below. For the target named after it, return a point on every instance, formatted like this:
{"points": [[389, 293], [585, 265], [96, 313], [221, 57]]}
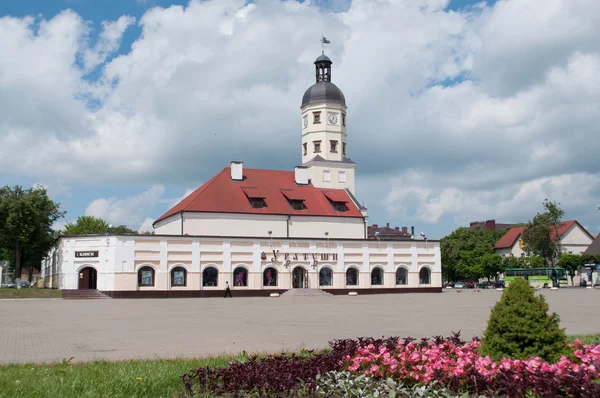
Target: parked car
{"points": [[470, 284], [9, 284], [459, 285], [499, 284], [485, 285]]}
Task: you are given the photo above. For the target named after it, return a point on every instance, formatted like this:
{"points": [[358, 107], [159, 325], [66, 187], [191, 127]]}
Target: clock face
{"points": [[332, 118], [305, 121]]}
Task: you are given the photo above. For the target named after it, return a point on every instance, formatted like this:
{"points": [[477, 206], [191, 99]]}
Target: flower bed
{"points": [[460, 368], [447, 365]]}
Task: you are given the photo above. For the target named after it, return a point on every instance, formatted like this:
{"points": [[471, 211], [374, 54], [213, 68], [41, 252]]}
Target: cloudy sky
{"points": [[457, 110]]}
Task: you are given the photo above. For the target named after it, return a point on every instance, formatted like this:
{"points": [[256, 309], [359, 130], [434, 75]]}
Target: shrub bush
{"points": [[520, 327]]}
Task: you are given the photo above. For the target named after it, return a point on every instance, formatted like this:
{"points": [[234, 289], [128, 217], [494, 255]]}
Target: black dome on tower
{"points": [[323, 90]]}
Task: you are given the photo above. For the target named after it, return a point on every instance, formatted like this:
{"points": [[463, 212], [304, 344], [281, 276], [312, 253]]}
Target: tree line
{"points": [[469, 253], [27, 217]]}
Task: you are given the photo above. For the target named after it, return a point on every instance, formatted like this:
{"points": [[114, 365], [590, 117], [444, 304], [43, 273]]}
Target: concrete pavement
{"points": [[50, 330]]}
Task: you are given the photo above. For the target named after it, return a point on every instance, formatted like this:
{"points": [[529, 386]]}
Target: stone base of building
{"points": [[162, 294]]}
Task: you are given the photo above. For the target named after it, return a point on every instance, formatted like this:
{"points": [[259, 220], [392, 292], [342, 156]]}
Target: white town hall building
{"points": [[261, 231]]}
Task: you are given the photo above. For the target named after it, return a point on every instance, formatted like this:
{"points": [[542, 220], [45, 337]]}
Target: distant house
{"points": [[574, 240], [35, 276], [489, 225], [389, 233]]}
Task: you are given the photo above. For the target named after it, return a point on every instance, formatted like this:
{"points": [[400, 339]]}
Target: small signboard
{"points": [[86, 254]]}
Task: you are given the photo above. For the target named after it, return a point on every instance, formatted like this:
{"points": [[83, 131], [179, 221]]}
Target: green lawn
{"points": [[586, 338], [29, 293], [101, 379]]}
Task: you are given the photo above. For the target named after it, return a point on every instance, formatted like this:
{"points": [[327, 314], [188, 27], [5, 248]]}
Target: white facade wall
{"points": [[315, 173], [337, 228], [575, 240], [257, 225], [120, 257]]}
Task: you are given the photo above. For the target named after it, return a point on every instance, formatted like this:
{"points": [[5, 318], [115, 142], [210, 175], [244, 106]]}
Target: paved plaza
{"points": [[50, 330]]}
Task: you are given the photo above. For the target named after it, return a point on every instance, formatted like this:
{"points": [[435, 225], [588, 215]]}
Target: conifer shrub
{"points": [[520, 327]]}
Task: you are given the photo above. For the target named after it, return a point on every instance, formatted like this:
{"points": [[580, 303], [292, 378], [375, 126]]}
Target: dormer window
{"points": [[337, 199], [340, 206], [305, 147], [294, 198], [255, 197], [297, 204], [257, 203]]}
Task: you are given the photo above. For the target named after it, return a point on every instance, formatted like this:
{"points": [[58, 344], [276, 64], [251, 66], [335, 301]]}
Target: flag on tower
{"points": [[324, 40]]}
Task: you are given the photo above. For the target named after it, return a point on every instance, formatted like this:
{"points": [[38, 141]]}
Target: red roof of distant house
{"points": [[223, 195], [509, 239]]}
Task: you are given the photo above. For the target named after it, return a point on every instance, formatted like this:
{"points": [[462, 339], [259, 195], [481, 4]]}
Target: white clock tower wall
{"points": [[324, 132]]}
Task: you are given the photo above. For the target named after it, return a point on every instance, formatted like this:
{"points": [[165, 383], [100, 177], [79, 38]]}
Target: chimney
{"points": [[387, 225], [404, 230], [375, 226], [412, 230], [490, 225], [237, 171], [397, 228], [301, 175]]}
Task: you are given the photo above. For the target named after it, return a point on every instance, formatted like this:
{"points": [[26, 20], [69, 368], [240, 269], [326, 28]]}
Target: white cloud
{"points": [[222, 80], [146, 226], [130, 211]]}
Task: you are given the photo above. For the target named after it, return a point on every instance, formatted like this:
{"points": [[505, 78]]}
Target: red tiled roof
{"points": [[509, 238], [292, 194], [337, 196], [222, 195]]}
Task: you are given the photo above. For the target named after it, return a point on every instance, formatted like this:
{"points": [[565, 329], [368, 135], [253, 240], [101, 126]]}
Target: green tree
{"points": [[531, 262], [541, 236], [492, 265], [520, 327], [26, 234], [89, 225], [571, 263], [462, 252]]}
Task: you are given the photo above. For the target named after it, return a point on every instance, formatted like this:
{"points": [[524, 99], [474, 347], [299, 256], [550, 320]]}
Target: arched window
{"points": [[146, 276], [210, 277], [270, 277], [178, 276], [352, 277], [325, 277], [240, 277], [425, 276], [401, 276], [377, 276]]}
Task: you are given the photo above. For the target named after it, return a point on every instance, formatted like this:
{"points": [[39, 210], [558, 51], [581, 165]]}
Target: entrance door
{"points": [[300, 278], [87, 278]]}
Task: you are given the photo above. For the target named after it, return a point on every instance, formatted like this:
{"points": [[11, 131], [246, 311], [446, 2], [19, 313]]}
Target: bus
{"points": [[537, 277]]}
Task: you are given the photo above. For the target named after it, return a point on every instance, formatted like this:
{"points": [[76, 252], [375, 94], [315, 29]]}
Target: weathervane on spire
{"points": [[323, 42]]}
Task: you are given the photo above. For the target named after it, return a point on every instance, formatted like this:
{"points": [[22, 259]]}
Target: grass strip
{"points": [[14, 293], [158, 378]]}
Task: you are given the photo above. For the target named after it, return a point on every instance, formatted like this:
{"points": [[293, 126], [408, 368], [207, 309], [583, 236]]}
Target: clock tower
{"points": [[324, 137]]}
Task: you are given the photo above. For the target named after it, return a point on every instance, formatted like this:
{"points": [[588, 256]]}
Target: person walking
{"points": [[227, 290]]}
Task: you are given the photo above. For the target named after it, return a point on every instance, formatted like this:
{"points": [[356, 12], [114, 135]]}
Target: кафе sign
{"points": [[86, 254]]}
